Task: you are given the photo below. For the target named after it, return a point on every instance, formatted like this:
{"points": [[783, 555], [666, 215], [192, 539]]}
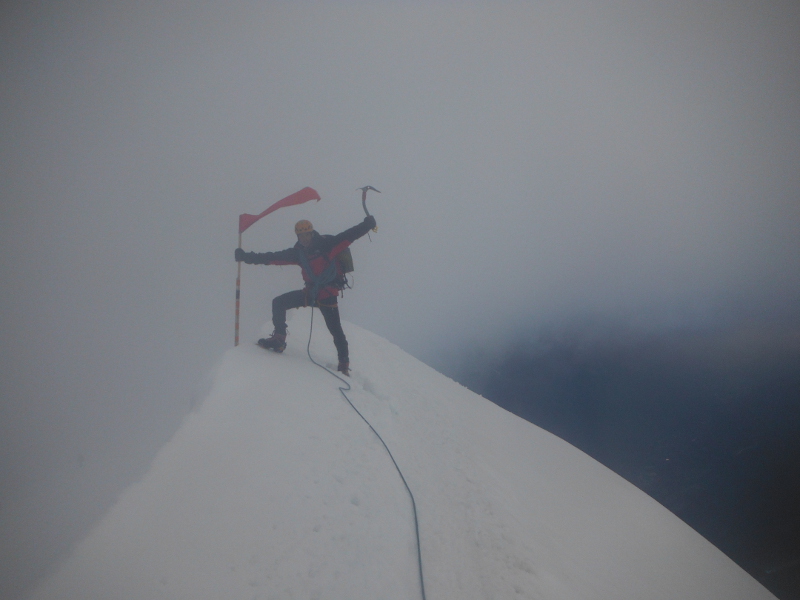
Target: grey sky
{"points": [[537, 160]]}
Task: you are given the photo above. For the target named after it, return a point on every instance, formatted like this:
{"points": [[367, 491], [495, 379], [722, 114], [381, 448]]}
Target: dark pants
{"points": [[329, 309]]}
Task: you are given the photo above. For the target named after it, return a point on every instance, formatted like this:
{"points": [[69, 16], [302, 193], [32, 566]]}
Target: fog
{"points": [[537, 162]]}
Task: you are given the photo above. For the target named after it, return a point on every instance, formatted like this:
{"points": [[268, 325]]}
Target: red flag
{"points": [[303, 195]]}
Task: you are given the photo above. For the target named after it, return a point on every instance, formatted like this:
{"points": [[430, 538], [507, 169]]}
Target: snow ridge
{"points": [[343, 390], [274, 489]]}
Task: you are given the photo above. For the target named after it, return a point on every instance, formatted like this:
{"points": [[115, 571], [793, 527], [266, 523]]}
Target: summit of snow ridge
{"points": [[275, 488]]}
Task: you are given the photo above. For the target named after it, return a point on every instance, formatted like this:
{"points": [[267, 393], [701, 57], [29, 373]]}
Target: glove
{"points": [[370, 220], [239, 255]]}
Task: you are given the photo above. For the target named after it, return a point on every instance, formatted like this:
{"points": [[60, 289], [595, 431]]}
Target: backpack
{"points": [[345, 262]]}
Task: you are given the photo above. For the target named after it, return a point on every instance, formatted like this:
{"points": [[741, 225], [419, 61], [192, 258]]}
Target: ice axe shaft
{"points": [[364, 191]]}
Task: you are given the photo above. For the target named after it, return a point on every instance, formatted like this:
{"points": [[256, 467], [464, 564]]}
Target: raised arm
{"points": [[343, 240]]}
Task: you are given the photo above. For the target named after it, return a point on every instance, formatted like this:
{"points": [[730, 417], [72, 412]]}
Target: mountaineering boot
{"points": [[275, 342], [344, 367]]}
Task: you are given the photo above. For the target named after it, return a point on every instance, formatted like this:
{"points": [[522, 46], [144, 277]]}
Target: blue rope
{"points": [[343, 389]]}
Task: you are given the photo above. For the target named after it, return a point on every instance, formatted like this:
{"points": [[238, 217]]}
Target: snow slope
{"points": [[276, 489]]}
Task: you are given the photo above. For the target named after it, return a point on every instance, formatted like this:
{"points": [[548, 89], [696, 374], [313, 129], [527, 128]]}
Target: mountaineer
{"points": [[318, 258]]}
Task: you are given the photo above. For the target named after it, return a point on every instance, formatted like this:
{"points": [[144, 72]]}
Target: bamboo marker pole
{"points": [[245, 220], [238, 287]]}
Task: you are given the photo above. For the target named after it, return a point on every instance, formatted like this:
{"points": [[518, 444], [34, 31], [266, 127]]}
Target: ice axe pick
{"points": [[364, 191]]}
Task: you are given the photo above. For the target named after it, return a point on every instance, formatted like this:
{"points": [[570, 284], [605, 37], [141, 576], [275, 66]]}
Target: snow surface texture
{"points": [[276, 489]]}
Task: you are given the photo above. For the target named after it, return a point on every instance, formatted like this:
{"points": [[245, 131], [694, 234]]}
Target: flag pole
{"points": [[245, 220], [238, 287]]}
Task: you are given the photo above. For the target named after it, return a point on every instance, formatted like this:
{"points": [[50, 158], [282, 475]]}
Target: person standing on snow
{"points": [[316, 257]]}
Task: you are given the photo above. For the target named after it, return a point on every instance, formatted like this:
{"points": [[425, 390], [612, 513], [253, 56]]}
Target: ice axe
{"points": [[364, 191]]}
